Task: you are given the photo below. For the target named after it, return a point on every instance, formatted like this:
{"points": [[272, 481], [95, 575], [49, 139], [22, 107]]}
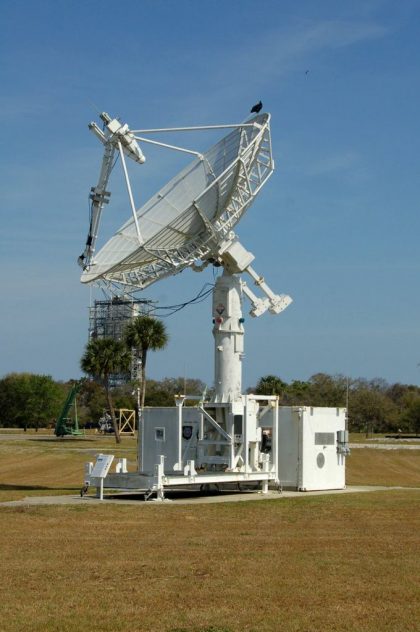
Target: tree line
{"points": [[33, 400], [29, 400], [373, 405]]}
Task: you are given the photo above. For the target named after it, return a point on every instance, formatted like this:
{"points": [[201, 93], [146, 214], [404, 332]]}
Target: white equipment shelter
{"points": [[313, 445], [233, 438]]}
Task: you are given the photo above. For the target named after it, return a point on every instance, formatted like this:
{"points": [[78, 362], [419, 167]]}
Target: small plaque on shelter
{"points": [[102, 465]]}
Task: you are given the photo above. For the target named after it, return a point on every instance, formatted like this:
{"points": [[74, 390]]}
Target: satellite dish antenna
{"points": [[189, 223]]}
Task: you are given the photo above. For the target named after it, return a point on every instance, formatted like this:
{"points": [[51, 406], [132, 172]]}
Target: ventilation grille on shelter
{"points": [[324, 438]]}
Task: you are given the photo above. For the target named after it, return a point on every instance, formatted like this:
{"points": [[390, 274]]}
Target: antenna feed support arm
{"points": [[114, 132], [236, 259], [99, 196], [114, 136], [258, 305], [276, 302]]}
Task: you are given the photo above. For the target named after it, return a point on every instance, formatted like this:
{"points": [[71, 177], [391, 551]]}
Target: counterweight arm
{"points": [[99, 196]]}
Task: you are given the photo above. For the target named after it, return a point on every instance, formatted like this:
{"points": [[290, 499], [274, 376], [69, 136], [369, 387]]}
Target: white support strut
{"points": [[114, 136], [277, 302], [191, 128], [166, 146], [130, 193]]}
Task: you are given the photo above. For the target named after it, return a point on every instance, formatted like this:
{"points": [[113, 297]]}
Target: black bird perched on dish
{"points": [[257, 107]]}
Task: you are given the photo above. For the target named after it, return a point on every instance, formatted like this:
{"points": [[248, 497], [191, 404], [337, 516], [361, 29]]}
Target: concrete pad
{"points": [[384, 446], [190, 499]]}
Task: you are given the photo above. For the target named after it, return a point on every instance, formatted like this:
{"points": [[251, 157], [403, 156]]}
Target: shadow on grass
{"points": [[189, 493], [55, 439], [34, 488], [210, 629]]}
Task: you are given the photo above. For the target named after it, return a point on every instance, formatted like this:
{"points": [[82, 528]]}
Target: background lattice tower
{"points": [[109, 318]]}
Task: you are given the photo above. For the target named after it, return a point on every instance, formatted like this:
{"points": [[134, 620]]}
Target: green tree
{"points": [[125, 396], [162, 393], [296, 394], [372, 410], [327, 390], [411, 416], [91, 402], [102, 358], [28, 399], [142, 334], [270, 385]]}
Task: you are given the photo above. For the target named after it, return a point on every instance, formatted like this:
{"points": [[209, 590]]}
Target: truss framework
{"points": [[244, 177], [108, 319]]}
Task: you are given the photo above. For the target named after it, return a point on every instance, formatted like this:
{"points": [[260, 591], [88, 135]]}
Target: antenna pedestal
{"points": [[228, 332]]}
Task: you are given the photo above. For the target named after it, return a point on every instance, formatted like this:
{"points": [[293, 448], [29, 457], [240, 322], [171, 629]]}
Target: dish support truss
{"points": [[245, 176], [207, 244]]}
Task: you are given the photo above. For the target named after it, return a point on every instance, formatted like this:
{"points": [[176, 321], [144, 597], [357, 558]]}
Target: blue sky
{"points": [[337, 226]]}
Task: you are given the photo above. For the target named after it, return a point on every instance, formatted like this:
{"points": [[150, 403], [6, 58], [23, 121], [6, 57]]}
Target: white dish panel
{"points": [[192, 214]]}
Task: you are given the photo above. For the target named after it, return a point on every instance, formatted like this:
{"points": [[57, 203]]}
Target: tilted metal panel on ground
{"points": [[188, 217]]}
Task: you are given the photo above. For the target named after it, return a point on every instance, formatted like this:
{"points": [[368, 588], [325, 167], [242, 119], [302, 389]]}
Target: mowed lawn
{"points": [[43, 465], [312, 563], [38, 465], [346, 562], [383, 467]]}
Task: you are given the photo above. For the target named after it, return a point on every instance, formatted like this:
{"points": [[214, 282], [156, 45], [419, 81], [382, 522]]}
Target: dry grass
{"points": [[46, 465], [327, 563], [383, 467], [315, 563]]}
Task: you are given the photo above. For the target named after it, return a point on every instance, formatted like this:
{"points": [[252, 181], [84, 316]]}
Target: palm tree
{"points": [[270, 385], [141, 334], [102, 358]]}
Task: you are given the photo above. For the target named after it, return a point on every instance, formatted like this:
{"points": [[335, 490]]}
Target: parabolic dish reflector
{"points": [[189, 218]]}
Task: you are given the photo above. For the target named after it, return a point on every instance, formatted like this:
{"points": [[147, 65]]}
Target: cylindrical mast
{"points": [[228, 332]]}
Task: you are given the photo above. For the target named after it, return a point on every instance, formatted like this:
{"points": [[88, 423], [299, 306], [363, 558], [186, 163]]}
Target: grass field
{"points": [[42, 464], [325, 563], [383, 467]]}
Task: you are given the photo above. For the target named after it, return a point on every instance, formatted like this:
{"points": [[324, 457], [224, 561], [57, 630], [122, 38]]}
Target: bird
{"points": [[257, 107]]}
